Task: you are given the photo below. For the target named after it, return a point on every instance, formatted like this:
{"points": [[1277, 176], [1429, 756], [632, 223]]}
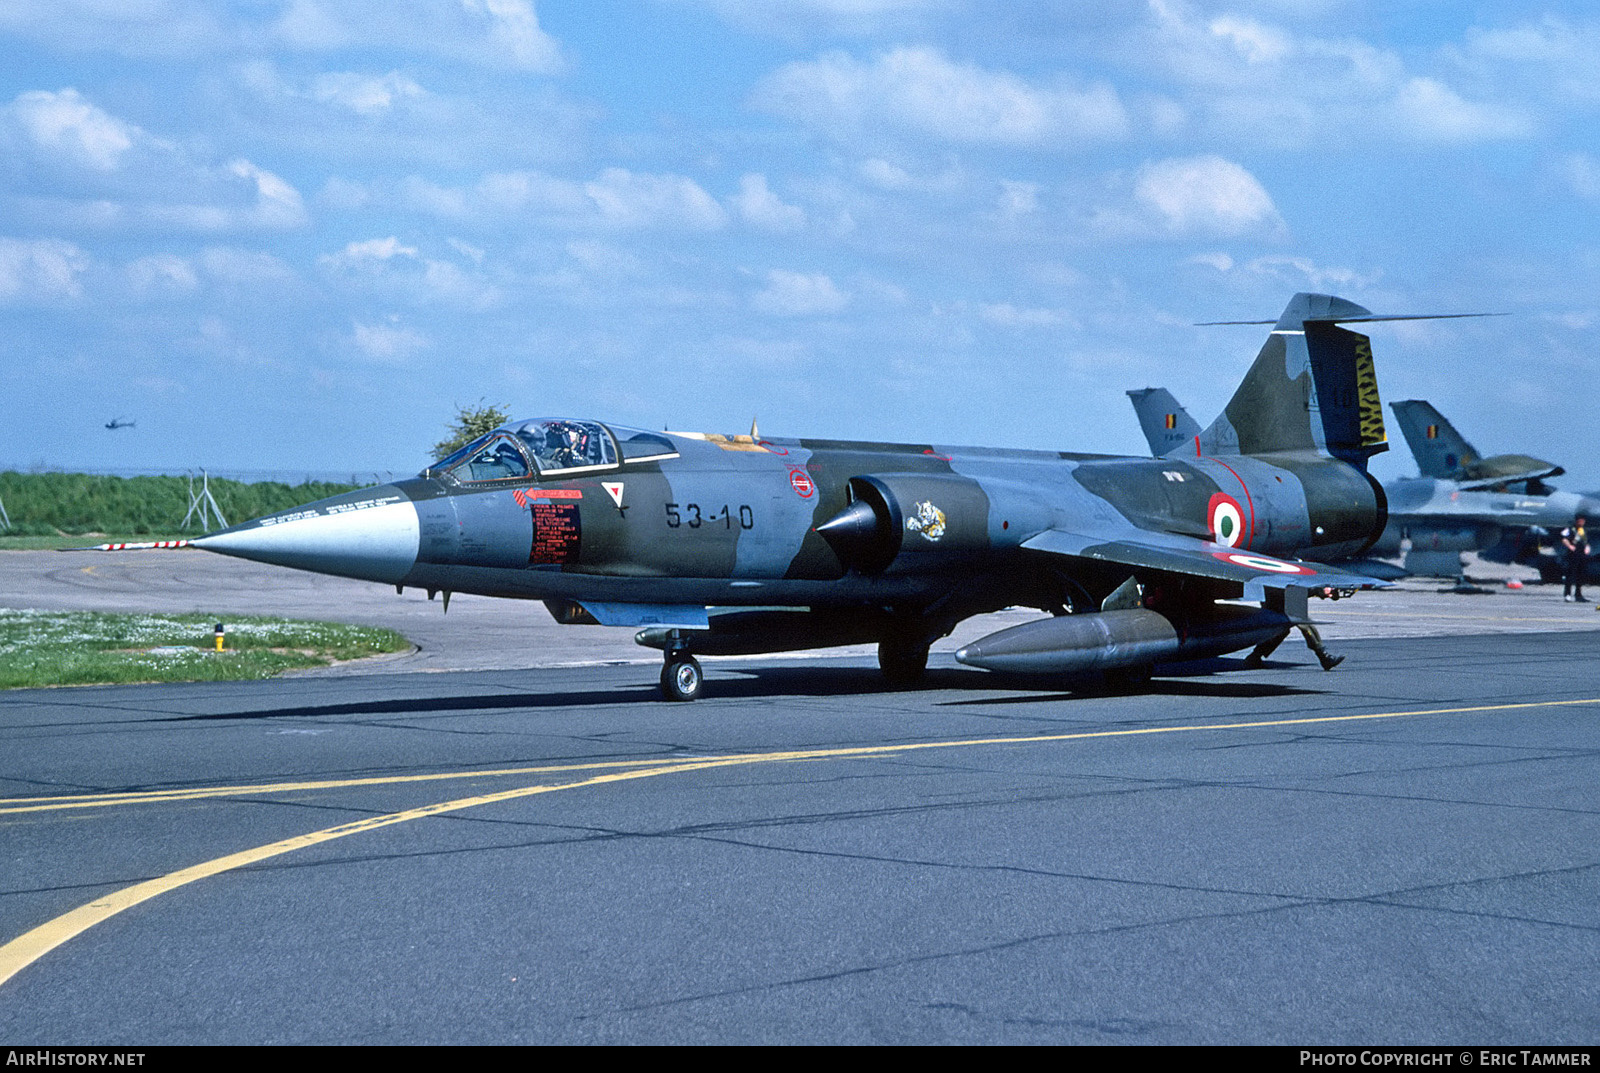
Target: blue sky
{"points": [[295, 233]]}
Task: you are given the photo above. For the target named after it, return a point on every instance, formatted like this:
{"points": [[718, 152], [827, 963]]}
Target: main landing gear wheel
{"points": [[681, 678], [903, 663], [1119, 678]]}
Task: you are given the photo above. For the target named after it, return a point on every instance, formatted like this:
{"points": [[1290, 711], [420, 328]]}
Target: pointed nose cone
{"points": [[370, 534], [861, 537]]}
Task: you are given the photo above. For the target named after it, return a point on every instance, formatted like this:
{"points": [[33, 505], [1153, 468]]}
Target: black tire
{"points": [[1128, 677], [681, 678], [902, 662]]}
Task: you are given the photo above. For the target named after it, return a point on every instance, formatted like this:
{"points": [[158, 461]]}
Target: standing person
{"points": [[1575, 545]]}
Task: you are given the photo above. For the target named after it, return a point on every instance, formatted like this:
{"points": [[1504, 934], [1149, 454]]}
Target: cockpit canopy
{"points": [[552, 447]]}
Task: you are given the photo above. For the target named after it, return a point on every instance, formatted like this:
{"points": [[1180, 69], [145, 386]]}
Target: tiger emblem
{"points": [[929, 521]]}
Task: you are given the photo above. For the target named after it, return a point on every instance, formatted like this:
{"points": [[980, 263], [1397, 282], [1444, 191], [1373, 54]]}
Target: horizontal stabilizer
{"points": [[1363, 318]]}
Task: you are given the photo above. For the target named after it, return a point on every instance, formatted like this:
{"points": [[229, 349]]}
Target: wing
{"points": [[1175, 554]]}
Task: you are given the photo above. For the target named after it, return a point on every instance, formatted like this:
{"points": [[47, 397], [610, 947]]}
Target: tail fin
{"points": [[1444, 453], [1312, 388], [1439, 449], [1167, 425]]}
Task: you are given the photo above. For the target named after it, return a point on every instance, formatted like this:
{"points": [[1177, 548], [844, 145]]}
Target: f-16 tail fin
{"points": [[1312, 388], [1443, 453], [1167, 426], [1439, 449]]}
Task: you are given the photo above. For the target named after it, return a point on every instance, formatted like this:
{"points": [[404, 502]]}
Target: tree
{"points": [[470, 423]]}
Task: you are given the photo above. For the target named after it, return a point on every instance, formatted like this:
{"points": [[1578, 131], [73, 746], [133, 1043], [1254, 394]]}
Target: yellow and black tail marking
{"points": [[1370, 406]]}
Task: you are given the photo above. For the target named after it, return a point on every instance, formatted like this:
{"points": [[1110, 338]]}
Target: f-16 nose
{"points": [[370, 534]]}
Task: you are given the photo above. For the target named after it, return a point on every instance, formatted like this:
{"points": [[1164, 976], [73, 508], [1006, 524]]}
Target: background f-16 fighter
{"points": [[732, 544]]}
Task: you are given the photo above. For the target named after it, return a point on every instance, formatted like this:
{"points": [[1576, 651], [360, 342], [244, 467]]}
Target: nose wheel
{"points": [[681, 677]]}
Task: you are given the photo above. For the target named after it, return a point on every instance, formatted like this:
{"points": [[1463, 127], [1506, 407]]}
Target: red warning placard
{"points": [[557, 533]]}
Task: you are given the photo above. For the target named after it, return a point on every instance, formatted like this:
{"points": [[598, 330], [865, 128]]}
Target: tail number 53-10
{"points": [[692, 515]]}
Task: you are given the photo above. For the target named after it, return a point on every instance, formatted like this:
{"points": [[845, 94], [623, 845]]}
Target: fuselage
{"points": [[733, 520], [1440, 515]]}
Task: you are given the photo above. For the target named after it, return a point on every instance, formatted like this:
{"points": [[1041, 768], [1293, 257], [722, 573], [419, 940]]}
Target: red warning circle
{"points": [[1262, 562], [1225, 520], [801, 482]]}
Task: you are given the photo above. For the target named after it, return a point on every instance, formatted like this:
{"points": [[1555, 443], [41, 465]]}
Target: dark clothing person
{"points": [[1313, 641], [1575, 546]]}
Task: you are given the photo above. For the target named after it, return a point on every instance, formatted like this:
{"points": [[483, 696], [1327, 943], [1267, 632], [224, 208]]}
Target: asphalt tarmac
{"points": [[478, 633], [1403, 850]]}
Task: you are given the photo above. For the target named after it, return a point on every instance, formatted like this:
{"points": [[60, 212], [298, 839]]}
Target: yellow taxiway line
{"points": [[28, 948]]}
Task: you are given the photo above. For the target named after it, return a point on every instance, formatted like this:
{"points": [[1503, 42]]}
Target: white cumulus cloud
{"points": [[1581, 173], [163, 273], [1018, 198], [921, 91], [634, 199], [71, 162], [792, 18], [1244, 78], [65, 123], [367, 95], [1205, 195], [792, 294], [375, 249], [1433, 111], [514, 25], [384, 265], [758, 205], [41, 268], [387, 343]]}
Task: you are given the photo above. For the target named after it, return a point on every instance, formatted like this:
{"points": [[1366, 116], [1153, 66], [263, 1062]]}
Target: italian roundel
{"points": [[1225, 520], [1262, 562]]}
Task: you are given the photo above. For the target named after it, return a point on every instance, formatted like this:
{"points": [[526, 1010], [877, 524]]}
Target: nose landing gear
{"points": [[681, 677]]}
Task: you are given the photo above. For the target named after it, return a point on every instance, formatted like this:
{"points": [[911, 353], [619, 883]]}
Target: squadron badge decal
{"points": [[929, 521]]}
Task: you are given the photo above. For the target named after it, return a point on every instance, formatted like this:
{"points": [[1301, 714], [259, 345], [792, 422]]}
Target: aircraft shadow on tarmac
{"points": [[775, 683]]}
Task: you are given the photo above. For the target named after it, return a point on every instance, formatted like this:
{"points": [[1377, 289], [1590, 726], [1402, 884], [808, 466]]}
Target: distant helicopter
{"points": [[117, 422]]}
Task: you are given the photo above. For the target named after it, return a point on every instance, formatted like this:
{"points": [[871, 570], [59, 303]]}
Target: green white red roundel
{"points": [[1262, 562], [1225, 520]]}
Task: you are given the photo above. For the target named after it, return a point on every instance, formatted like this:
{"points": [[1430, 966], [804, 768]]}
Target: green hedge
{"points": [[43, 504]]}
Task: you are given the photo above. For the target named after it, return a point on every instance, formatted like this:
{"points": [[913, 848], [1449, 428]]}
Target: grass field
{"points": [[53, 504], [55, 648], [78, 540]]}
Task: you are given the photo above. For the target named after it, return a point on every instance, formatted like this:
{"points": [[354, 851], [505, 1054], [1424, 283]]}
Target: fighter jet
{"points": [[1517, 483], [1432, 518], [718, 544], [1443, 453], [117, 422]]}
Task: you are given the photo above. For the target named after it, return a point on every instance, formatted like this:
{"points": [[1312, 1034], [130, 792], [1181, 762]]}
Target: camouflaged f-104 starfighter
{"points": [[716, 544]]}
